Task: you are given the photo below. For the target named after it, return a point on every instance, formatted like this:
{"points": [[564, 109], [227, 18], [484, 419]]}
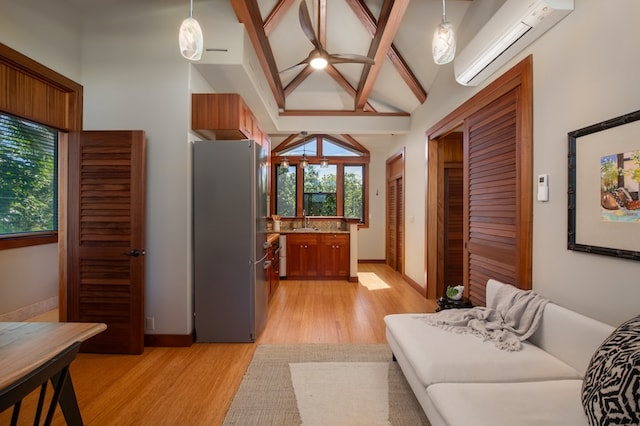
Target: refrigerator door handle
{"points": [[267, 264]]}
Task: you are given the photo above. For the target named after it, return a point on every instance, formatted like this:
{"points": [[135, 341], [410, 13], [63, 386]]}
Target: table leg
{"points": [[68, 402]]}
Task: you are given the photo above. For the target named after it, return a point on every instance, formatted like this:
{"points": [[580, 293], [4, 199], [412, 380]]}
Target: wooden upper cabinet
{"points": [[222, 116]]}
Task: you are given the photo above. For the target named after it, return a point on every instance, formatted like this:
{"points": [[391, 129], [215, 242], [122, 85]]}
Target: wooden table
{"points": [[25, 346]]}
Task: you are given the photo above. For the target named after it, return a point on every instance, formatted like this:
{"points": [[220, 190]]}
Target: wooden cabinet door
{"points": [[106, 224], [302, 255], [334, 255]]}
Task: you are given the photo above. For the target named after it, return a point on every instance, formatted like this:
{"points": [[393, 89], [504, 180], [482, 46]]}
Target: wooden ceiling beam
{"points": [[367, 19], [278, 11], [298, 79], [339, 113], [390, 19], [248, 13], [339, 78]]}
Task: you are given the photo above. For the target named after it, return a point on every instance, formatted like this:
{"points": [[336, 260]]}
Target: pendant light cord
{"points": [[444, 9], [191, 9]]}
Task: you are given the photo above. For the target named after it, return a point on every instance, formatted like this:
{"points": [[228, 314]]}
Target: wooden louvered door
{"points": [[392, 224], [106, 222], [496, 195], [394, 235], [453, 225]]}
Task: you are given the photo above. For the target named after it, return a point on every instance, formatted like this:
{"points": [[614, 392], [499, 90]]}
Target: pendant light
{"points": [[324, 162], [444, 41], [304, 161], [284, 163], [190, 37]]}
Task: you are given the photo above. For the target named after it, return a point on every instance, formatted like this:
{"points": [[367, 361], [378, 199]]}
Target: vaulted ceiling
{"points": [[395, 34]]}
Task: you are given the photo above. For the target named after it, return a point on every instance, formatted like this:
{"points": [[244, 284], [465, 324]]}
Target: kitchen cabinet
{"points": [[222, 116], [334, 255], [273, 272], [318, 255], [302, 256]]}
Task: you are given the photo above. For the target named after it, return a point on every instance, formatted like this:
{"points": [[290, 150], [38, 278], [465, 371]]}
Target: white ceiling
{"points": [[345, 34]]}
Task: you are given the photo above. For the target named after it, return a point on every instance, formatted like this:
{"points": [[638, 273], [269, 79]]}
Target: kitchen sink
{"points": [[305, 229]]}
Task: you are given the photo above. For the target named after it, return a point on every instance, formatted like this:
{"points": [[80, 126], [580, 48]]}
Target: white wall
{"points": [[135, 78], [585, 71], [29, 275]]}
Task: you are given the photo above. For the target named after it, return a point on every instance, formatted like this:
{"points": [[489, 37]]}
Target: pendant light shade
{"points": [[190, 37], [304, 161], [444, 41]]}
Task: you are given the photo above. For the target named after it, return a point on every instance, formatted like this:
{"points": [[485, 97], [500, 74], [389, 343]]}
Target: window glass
{"points": [[309, 149], [332, 149], [319, 196], [28, 176], [286, 190], [354, 192]]}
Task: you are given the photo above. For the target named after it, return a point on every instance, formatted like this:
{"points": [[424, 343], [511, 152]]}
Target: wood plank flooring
{"points": [[195, 385]]}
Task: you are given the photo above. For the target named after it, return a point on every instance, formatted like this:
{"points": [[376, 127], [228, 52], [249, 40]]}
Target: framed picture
{"points": [[604, 187]]}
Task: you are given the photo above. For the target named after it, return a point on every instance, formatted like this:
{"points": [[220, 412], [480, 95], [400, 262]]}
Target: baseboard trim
{"points": [[371, 261], [30, 311], [417, 287], [168, 340]]}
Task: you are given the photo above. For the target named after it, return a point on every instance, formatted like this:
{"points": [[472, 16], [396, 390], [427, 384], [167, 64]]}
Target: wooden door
{"points": [[106, 224], [497, 196], [453, 226], [394, 245]]}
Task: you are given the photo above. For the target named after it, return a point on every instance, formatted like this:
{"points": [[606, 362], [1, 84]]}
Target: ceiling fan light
{"points": [[319, 62], [444, 43]]}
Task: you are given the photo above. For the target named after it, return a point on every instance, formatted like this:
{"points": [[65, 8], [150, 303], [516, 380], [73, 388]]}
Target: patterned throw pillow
{"points": [[611, 387]]}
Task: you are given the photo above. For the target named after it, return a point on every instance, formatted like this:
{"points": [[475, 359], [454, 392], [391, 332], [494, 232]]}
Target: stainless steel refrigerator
{"points": [[229, 235]]}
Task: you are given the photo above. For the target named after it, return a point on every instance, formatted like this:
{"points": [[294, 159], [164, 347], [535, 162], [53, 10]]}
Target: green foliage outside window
{"points": [[354, 192], [320, 190], [28, 176], [286, 191]]}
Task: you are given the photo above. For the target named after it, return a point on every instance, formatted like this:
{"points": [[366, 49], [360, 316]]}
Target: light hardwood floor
{"points": [[195, 385]]}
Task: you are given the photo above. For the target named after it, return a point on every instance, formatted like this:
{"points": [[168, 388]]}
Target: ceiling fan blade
{"points": [[307, 26], [342, 58], [305, 62]]}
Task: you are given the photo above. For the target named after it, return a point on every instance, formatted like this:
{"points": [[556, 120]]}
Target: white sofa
{"points": [[461, 380]]}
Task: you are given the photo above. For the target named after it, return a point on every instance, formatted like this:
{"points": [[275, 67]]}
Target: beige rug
{"points": [[324, 384]]}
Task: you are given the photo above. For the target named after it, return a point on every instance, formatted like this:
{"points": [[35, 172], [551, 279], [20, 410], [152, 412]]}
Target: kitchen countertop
{"points": [[313, 231]]}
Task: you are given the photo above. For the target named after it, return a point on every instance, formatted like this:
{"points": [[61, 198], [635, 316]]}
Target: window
{"points": [[354, 192], [285, 190], [320, 192], [28, 177], [332, 184]]}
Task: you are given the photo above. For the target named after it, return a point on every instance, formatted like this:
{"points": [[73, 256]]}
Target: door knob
{"points": [[135, 253]]}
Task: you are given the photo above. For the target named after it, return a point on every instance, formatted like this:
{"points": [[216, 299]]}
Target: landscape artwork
{"points": [[620, 186]]}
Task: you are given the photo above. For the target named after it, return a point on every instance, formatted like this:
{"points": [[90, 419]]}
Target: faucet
{"points": [[305, 218]]}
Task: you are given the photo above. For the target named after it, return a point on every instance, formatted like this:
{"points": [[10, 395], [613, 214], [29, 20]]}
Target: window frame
{"points": [[340, 161], [47, 98]]}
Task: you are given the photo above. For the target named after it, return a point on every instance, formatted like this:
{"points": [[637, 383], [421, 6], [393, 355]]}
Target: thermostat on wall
{"points": [[543, 187]]}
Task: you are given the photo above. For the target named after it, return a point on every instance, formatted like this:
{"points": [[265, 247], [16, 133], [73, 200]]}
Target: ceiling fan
{"points": [[319, 58]]}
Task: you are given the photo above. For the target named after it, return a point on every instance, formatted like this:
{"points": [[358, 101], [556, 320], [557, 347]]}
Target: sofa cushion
{"points": [[611, 389], [468, 359], [555, 402]]}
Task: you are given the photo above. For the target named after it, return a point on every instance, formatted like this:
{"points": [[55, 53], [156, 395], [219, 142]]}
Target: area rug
{"points": [[324, 384]]}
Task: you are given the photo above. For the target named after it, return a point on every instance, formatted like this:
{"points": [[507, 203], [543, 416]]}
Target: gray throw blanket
{"points": [[513, 317]]}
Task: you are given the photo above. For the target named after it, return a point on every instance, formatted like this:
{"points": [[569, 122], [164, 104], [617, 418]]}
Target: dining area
{"points": [[35, 358]]}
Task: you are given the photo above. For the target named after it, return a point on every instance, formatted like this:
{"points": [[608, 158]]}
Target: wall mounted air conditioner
{"points": [[512, 28]]}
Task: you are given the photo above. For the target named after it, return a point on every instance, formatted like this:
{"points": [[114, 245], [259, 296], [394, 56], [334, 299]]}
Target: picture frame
{"points": [[603, 188]]}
